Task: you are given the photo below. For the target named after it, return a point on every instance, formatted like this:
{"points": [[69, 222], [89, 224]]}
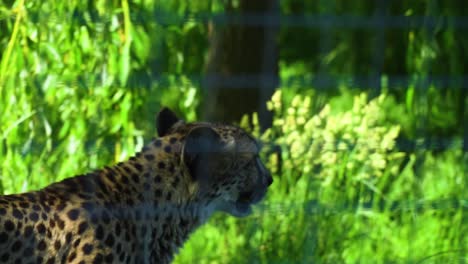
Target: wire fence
{"points": [[322, 21], [320, 81], [376, 21], [318, 207]]}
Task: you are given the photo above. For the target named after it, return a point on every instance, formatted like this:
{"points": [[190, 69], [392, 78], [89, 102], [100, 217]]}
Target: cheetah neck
{"points": [[167, 204], [150, 191]]}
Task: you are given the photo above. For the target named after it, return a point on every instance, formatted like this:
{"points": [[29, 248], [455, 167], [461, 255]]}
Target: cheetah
{"points": [[141, 210]]}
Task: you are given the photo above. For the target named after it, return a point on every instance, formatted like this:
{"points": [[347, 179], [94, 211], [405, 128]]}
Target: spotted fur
{"points": [[141, 210]]}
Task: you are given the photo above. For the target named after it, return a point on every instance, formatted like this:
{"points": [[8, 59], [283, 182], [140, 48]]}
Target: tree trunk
{"points": [[242, 65]]}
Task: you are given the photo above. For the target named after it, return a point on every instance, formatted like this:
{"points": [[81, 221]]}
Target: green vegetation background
{"points": [[81, 81]]}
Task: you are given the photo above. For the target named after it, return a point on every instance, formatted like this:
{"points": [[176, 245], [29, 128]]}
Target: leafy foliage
{"points": [[80, 83], [343, 194]]}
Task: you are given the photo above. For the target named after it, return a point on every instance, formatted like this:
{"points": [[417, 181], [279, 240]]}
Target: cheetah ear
{"points": [[165, 120], [201, 152]]}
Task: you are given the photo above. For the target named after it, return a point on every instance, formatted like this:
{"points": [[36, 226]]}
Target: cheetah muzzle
{"points": [[141, 210]]}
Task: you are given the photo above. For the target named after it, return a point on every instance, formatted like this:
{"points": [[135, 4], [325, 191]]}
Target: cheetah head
{"points": [[223, 162]]}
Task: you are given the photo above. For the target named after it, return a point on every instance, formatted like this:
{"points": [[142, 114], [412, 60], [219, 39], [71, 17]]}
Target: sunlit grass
{"points": [[69, 103], [395, 214]]}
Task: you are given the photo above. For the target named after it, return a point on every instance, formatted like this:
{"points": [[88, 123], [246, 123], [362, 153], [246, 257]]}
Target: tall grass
{"points": [[80, 83], [342, 194]]}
